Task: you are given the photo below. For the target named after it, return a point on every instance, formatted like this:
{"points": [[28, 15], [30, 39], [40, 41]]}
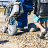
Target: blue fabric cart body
{"points": [[27, 6], [22, 20]]}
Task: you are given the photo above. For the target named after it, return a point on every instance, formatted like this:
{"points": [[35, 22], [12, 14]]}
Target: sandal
{"points": [[42, 34]]}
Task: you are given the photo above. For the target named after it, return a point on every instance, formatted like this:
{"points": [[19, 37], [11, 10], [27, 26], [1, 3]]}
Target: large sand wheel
{"points": [[12, 30], [3, 29]]}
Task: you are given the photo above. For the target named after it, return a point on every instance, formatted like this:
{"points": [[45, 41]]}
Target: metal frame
{"points": [[2, 2]]}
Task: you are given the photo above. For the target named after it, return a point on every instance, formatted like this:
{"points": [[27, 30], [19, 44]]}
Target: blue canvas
{"points": [[27, 5], [22, 20]]}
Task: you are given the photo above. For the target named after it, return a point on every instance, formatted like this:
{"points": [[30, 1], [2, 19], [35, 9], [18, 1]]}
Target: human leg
{"points": [[39, 26], [36, 22], [43, 22]]}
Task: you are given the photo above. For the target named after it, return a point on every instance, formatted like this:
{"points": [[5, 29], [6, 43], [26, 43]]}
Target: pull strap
{"points": [[17, 1]]}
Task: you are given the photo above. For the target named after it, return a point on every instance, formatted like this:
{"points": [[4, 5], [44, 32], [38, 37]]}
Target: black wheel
{"points": [[32, 27]]}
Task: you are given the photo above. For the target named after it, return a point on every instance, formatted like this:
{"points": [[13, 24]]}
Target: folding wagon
{"points": [[12, 11]]}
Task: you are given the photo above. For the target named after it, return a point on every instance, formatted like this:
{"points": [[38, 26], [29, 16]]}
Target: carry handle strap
{"points": [[38, 6], [17, 1]]}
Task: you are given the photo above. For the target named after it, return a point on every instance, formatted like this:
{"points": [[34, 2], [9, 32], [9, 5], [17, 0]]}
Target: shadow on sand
{"points": [[24, 31], [5, 41]]}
